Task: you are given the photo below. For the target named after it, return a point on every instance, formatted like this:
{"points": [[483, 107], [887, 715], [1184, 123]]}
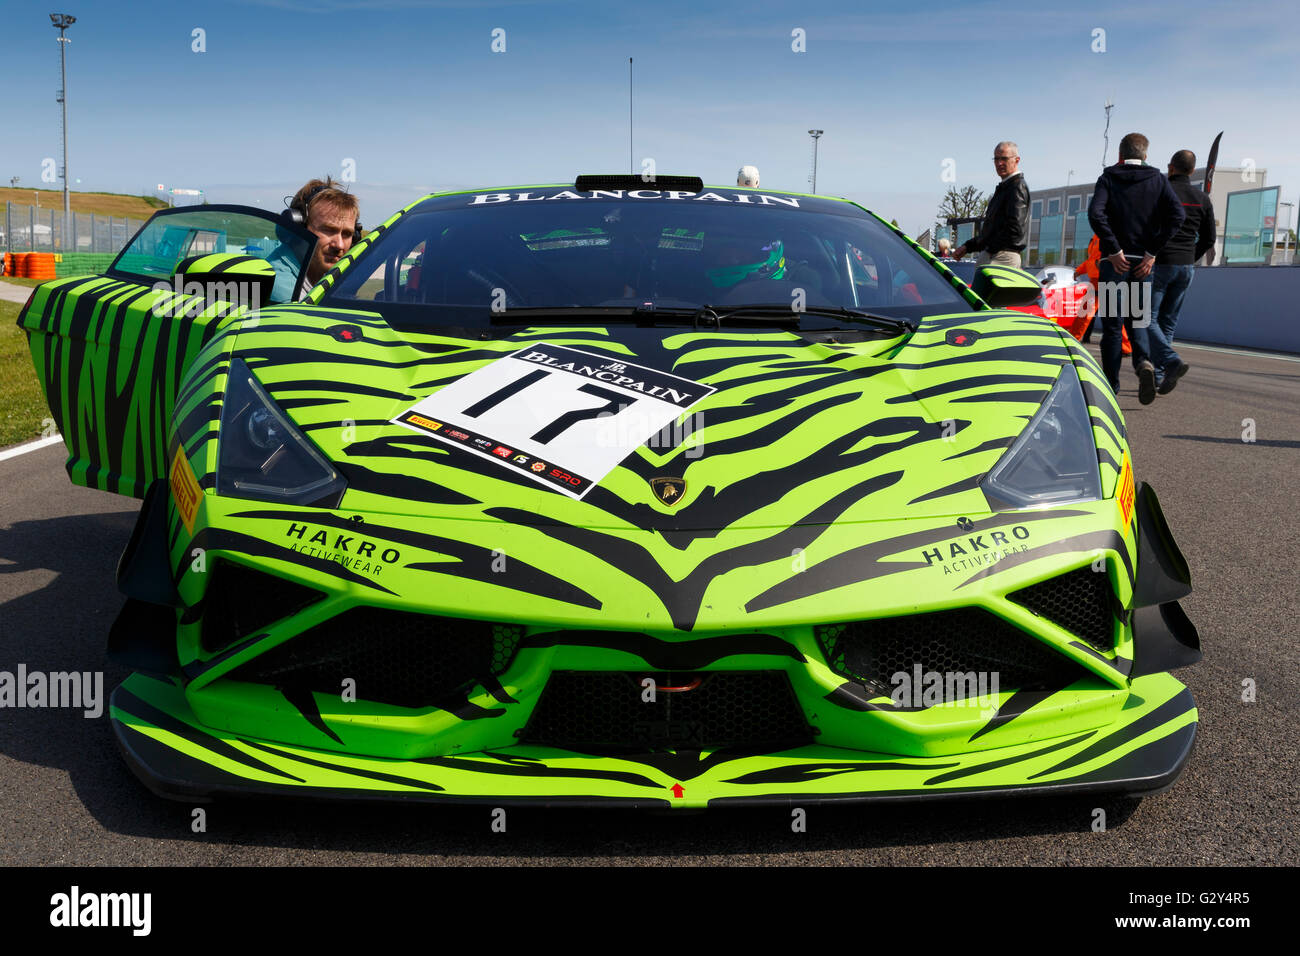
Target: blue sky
{"points": [[414, 94]]}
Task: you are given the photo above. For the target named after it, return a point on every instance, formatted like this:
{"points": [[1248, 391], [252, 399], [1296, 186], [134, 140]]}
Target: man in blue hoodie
{"points": [[1133, 213], [1174, 269]]}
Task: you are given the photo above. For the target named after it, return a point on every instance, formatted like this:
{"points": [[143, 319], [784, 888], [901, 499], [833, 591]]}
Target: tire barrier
{"points": [[31, 265]]}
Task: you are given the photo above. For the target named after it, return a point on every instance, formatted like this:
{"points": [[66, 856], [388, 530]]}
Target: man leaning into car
{"points": [[334, 216], [1005, 232]]}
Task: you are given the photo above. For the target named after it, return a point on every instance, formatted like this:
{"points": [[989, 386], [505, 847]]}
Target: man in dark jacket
{"points": [[1174, 268], [1005, 231], [1134, 213]]}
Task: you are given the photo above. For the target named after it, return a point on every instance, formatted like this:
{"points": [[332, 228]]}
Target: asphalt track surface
{"points": [[68, 799]]}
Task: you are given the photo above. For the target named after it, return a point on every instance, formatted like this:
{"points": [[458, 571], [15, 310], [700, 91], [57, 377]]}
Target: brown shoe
{"points": [[1146, 383]]}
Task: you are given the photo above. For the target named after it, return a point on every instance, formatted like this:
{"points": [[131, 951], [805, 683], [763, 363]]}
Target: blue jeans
{"points": [[1116, 306], [1168, 288]]}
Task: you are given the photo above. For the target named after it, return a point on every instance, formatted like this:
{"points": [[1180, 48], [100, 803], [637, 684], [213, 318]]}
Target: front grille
{"points": [[1081, 601], [395, 657], [961, 641], [725, 710], [241, 601]]}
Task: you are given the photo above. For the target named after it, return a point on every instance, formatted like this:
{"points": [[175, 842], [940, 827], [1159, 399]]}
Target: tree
{"points": [[894, 223], [964, 203]]}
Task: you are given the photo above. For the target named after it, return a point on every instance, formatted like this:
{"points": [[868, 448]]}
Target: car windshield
{"points": [[475, 263]]}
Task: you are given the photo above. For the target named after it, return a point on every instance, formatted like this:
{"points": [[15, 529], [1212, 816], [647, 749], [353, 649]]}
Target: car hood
{"points": [[769, 427]]}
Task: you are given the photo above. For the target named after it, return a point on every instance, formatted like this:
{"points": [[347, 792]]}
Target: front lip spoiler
{"points": [[154, 730]]}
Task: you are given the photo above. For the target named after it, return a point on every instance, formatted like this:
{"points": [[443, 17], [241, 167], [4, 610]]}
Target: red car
{"points": [[1067, 300]]}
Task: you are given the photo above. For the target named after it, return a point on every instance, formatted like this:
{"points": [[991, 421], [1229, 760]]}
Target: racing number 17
{"points": [[614, 404]]}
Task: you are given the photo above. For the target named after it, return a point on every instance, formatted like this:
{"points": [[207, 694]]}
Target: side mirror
{"points": [[1003, 287], [228, 277]]}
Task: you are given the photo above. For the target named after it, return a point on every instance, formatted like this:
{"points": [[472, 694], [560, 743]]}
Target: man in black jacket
{"points": [[1133, 213], [1174, 268], [1005, 231]]}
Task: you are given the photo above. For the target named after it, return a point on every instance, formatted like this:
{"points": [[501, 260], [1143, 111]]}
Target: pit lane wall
{"points": [[1255, 307]]}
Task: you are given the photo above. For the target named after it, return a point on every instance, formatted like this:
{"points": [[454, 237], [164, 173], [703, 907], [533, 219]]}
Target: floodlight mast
{"points": [[816, 134], [1105, 136], [61, 22]]}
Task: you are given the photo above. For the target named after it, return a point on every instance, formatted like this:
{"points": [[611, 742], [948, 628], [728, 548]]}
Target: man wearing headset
{"points": [[334, 216]]}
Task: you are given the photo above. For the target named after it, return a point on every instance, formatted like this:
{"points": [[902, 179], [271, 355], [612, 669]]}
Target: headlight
{"points": [[1054, 460], [263, 456]]}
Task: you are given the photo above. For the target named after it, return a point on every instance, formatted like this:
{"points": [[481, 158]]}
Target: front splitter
{"points": [[179, 758]]}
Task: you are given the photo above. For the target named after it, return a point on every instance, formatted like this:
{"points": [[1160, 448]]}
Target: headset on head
{"points": [[298, 211]]}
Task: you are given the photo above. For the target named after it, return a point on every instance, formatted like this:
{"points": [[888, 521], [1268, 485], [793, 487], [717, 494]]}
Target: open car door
{"points": [[111, 351]]}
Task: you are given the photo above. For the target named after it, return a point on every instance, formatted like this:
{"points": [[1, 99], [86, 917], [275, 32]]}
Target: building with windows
{"points": [[1058, 216]]}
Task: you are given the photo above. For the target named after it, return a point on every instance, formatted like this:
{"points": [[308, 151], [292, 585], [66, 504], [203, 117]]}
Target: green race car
{"points": [[617, 493]]}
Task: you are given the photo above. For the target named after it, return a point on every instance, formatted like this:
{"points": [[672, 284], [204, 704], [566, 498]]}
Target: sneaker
{"points": [[1146, 383], [1172, 377]]}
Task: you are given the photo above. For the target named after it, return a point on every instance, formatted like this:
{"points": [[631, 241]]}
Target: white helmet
{"points": [[748, 176]]}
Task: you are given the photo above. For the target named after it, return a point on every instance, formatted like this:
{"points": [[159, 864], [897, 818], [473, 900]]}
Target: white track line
{"points": [[30, 446], [1249, 353]]}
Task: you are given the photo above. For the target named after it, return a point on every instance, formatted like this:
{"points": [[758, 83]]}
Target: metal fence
{"points": [[37, 229]]}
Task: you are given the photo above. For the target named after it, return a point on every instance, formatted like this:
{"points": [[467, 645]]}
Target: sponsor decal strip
{"points": [[493, 450]]}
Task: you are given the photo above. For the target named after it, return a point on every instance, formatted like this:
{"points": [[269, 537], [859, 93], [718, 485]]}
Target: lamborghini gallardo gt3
{"points": [[613, 493]]}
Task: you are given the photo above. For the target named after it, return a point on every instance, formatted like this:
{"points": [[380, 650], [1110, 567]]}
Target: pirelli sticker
{"points": [[1124, 496], [185, 489]]}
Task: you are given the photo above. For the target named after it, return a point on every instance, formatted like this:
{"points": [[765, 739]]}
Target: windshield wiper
{"points": [[781, 313], [616, 313], [705, 316]]}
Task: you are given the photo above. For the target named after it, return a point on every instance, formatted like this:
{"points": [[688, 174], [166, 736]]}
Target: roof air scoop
{"points": [[690, 184]]}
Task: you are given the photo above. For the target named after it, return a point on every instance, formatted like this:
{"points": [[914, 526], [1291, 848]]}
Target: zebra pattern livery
{"points": [[822, 484]]}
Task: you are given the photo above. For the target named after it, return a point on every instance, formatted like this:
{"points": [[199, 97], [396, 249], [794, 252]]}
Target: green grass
{"points": [[22, 404], [103, 204]]}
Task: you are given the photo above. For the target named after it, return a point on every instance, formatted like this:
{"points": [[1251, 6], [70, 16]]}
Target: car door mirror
{"points": [[1003, 287]]}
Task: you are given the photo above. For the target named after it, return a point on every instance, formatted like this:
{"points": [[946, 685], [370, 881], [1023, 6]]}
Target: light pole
{"points": [[61, 23], [1105, 136], [1286, 236], [816, 134]]}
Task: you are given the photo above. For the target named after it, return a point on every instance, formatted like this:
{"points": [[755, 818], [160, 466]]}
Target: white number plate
{"points": [[561, 416]]}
